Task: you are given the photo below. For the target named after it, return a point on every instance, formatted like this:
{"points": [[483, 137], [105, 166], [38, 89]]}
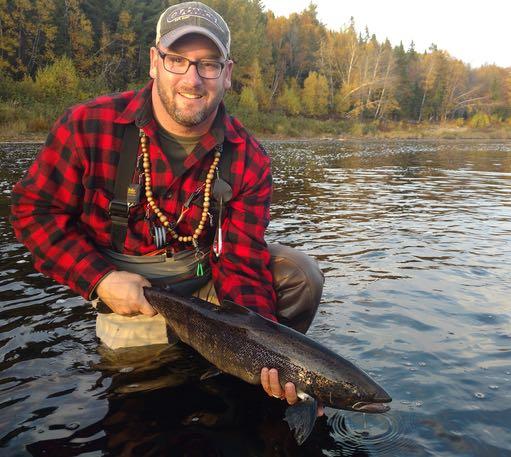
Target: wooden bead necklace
{"points": [[152, 204]]}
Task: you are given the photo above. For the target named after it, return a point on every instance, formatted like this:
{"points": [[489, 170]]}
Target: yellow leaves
{"points": [[57, 81], [248, 101], [79, 30], [343, 99], [315, 94], [289, 100], [256, 82], [480, 120]]}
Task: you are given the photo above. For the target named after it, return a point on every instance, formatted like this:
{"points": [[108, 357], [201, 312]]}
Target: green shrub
{"points": [[7, 86], [357, 129], [248, 101], [480, 121], [231, 100], [93, 87], [9, 111], [289, 100], [58, 83]]}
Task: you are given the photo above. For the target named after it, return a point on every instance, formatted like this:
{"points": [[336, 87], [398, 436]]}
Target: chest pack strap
{"points": [[120, 206], [123, 198]]}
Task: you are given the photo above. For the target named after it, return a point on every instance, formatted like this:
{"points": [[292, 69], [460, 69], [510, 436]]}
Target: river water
{"points": [[414, 238]]}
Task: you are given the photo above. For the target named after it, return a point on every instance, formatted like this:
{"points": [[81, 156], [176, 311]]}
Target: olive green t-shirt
{"points": [[176, 148]]}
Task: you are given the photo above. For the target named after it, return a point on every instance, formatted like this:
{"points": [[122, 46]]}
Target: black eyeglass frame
{"points": [[190, 63]]}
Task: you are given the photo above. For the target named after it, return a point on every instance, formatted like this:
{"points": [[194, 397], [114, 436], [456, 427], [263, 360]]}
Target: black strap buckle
{"points": [[118, 210]]}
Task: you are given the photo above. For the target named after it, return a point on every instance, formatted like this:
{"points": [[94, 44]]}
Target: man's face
{"points": [[189, 100]]}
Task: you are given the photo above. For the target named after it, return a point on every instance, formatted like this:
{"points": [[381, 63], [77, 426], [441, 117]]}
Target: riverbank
{"points": [[281, 127], [278, 127], [428, 132]]}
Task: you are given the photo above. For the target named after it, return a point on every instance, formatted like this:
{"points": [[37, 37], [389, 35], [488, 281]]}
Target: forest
{"points": [[293, 76]]}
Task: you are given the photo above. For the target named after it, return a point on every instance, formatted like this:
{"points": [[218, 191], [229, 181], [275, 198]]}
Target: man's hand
{"points": [[123, 293], [271, 385]]}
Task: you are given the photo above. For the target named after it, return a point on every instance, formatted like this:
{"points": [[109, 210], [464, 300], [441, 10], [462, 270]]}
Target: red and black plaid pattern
{"points": [[60, 207]]}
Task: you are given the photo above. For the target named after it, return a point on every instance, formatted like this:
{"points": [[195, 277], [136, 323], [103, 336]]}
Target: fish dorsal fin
{"points": [[228, 305]]}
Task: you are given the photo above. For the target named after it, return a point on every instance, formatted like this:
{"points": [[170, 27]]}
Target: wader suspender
{"points": [[125, 195]]}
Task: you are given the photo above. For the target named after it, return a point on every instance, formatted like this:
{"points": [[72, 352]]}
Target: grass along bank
{"points": [[20, 123]]}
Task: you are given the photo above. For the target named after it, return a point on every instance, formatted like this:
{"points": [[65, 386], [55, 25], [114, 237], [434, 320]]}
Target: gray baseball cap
{"points": [[193, 17]]}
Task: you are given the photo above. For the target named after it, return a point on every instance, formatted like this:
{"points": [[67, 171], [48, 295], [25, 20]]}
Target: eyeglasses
{"points": [[179, 65]]}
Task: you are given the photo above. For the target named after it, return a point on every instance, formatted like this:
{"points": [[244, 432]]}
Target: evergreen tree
{"points": [[74, 36], [28, 36], [248, 35]]}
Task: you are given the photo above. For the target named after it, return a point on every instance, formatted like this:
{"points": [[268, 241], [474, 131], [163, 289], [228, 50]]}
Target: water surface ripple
{"points": [[414, 238]]}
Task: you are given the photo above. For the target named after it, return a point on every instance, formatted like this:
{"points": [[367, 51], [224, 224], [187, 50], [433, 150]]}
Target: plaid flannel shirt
{"points": [[60, 207]]}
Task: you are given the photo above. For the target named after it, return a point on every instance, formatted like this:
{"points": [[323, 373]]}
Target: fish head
{"points": [[365, 395], [370, 399]]}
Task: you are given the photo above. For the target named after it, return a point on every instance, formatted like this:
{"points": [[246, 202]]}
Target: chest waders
{"points": [[297, 279], [178, 270]]}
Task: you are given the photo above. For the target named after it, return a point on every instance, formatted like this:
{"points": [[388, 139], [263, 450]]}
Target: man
{"points": [[193, 204]]}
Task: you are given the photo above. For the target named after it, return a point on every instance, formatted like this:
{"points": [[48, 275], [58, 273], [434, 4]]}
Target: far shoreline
{"points": [[39, 138], [302, 129]]}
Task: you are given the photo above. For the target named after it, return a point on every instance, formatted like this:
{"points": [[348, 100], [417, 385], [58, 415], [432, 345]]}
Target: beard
{"points": [[186, 116]]}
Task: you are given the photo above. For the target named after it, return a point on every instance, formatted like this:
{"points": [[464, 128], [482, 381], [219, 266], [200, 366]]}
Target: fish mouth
{"points": [[377, 405], [368, 407]]}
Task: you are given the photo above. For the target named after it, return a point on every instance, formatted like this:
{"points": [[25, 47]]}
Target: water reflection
{"points": [[157, 404], [414, 239]]}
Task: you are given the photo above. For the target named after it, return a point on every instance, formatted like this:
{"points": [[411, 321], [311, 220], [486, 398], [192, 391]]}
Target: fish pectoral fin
{"points": [[301, 418], [210, 373]]}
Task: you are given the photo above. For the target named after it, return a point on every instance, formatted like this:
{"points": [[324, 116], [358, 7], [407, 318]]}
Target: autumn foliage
{"points": [[56, 52]]}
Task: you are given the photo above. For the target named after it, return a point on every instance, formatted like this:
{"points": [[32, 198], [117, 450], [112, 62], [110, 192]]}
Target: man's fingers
{"points": [[265, 380], [271, 385], [147, 310], [270, 382], [275, 388], [145, 307], [290, 392]]}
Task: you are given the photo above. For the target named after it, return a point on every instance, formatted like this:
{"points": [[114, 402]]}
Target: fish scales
{"points": [[219, 338], [241, 342]]}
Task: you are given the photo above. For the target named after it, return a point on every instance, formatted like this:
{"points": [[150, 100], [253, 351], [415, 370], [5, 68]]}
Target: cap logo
{"points": [[193, 17], [185, 13]]}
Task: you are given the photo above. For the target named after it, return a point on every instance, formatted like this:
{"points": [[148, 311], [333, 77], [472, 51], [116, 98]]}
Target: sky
{"points": [[476, 31]]}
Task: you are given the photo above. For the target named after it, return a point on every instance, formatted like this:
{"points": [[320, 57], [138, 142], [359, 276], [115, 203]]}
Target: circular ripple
{"points": [[375, 432]]}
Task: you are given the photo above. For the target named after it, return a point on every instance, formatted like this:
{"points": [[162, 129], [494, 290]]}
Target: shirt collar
{"points": [[139, 109]]}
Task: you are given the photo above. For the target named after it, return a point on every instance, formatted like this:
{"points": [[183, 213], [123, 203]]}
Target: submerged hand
{"points": [[123, 293], [271, 385]]}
